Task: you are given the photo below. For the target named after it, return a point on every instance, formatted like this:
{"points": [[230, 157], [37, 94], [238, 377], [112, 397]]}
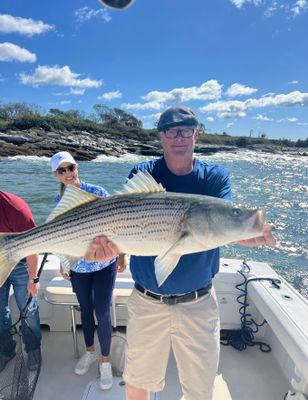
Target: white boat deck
{"points": [[247, 375]]}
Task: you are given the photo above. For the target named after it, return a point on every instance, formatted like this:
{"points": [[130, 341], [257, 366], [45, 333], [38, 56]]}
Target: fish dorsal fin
{"points": [[142, 182], [73, 197]]}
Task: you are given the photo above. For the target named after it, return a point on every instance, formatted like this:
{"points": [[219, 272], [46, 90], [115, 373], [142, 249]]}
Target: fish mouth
{"points": [[260, 224], [259, 221]]}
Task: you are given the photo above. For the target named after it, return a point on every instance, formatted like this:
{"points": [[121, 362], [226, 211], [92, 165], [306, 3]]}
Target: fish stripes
{"points": [[149, 223]]}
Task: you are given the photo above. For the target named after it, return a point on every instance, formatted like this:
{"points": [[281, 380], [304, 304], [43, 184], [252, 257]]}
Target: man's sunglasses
{"points": [[176, 132], [62, 170]]}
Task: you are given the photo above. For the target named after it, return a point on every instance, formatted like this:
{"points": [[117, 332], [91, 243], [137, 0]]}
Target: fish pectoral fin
{"points": [[164, 265], [67, 262], [73, 197]]}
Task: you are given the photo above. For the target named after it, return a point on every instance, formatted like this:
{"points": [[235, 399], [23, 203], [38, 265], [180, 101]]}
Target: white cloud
{"points": [[209, 90], [156, 96], [23, 26], [261, 117], [143, 106], [76, 91], [12, 52], [269, 94], [236, 108], [295, 98], [230, 124], [108, 96], [85, 14], [299, 7], [240, 3], [64, 102], [226, 109], [61, 76], [72, 91], [289, 119], [238, 89], [210, 119], [295, 82], [273, 6], [155, 100], [152, 116]]}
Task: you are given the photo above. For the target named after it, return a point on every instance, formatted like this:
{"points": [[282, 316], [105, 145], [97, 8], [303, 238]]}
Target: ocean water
{"points": [[274, 182]]}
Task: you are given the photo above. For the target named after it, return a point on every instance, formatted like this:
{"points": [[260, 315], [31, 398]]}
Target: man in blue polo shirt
{"points": [[181, 314]]}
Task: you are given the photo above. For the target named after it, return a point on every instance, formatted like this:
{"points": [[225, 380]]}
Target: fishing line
{"points": [[244, 337]]}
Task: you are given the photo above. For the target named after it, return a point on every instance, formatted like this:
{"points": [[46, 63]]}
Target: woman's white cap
{"points": [[59, 158]]}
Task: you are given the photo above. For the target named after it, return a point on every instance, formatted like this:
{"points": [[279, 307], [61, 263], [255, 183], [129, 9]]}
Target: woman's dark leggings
{"points": [[94, 292]]}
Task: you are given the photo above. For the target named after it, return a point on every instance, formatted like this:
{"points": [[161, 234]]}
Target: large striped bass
{"points": [[145, 220]]}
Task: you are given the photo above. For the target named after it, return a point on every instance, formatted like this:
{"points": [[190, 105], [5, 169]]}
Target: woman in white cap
{"points": [[92, 282]]}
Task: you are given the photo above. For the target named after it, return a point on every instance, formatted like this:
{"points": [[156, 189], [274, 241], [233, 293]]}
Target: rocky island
{"points": [[88, 145], [24, 130]]}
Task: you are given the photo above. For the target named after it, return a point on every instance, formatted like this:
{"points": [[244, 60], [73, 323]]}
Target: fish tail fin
{"points": [[6, 261]]}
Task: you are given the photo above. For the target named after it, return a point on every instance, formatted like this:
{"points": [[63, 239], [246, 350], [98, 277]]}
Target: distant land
{"points": [[25, 130]]}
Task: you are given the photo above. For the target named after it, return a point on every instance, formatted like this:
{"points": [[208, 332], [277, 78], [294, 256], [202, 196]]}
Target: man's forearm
{"points": [[33, 261]]}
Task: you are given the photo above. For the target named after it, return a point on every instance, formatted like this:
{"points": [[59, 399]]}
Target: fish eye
{"points": [[236, 211]]}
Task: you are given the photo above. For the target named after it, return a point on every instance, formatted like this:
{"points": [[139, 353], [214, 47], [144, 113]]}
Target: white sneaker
{"points": [[105, 381], [84, 363]]}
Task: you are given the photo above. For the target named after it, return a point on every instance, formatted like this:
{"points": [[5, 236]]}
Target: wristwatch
{"points": [[34, 280]]}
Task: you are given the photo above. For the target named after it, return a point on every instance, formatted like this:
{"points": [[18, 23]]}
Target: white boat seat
{"points": [[59, 292]]}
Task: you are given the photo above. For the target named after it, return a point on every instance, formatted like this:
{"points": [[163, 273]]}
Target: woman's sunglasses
{"points": [[70, 168]]}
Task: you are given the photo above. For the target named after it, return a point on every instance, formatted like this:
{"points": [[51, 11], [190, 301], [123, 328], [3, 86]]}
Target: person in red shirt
{"points": [[16, 216]]}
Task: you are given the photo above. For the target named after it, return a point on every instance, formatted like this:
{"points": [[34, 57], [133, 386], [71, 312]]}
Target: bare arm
{"points": [[122, 262], [33, 261]]}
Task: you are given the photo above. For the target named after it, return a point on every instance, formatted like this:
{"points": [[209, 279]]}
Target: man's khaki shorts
{"points": [[190, 329]]}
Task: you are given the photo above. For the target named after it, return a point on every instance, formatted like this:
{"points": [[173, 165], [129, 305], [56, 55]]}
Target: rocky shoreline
{"points": [[87, 146]]}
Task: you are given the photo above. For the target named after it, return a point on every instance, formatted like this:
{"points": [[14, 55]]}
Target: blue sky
{"points": [[241, 64]]}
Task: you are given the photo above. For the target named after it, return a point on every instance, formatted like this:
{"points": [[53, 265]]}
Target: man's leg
{"points": [[148, 346], [7, 344], [133, 393], [196, 346], [19, 278]]}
